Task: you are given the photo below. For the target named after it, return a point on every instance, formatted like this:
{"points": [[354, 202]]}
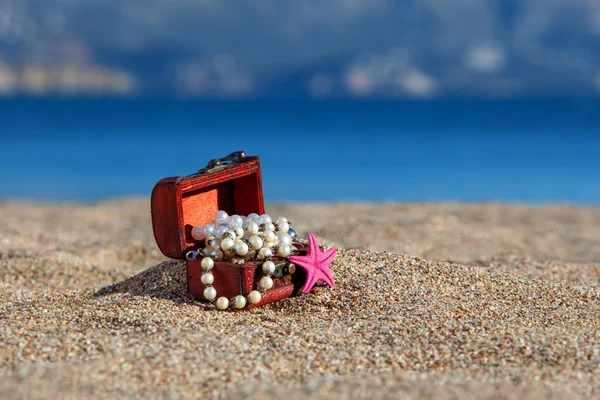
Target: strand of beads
{"points": [[207, 278], [255, 296], [222, 303], [238, 239]]}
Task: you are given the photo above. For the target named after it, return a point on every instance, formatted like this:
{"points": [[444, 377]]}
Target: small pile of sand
{"points": [[166, 280]]}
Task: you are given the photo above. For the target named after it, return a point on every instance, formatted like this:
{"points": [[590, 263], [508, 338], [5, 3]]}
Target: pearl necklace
{"points": [[240, 239]]}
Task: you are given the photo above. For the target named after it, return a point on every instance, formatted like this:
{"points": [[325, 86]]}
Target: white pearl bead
{"points": [[254, 296], [256, 242], [210, 293], [281, 220], [265, 219], [229, 234], [244, 222], [207, 278], [207, 263], [221, 230], [222, 303], [269, 244], [222, 222], [265, 252], [253, 217], [252, 228], [269, 236], [239, 231], [236, 220], [284, 250], [198, 232], [206, 251], [221, 218], [239, 301], [268, 267], [284, 238], [227, 244], [251, 254], [221, 214], [216, 255], [283, 227], [269, 226], [266, 283], [214, 242], [241, 248], [209, 230]]}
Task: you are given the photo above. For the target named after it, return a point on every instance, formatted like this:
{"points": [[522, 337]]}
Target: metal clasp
{"points": [[220, 163]]}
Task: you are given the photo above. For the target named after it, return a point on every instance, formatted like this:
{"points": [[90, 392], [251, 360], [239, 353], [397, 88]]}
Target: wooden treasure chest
{"points": [[232, 184]]}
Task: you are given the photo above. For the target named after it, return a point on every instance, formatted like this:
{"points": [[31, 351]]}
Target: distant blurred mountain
{"points": [[288, 48]]}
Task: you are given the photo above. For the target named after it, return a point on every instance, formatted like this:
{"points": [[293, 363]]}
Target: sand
{"points": [[440, 301]]}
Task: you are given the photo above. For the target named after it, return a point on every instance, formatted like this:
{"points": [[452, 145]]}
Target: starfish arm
{"points": [[327, 278], [302, 261], [308, 284], [327, 257], [313, 247], [305, 264]]}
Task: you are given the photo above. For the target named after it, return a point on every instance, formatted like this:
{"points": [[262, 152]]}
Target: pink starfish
{"points": [[316, 264]]}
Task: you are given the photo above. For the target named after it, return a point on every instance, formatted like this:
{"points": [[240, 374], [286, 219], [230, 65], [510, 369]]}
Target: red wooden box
{"points": [[232, 184]]}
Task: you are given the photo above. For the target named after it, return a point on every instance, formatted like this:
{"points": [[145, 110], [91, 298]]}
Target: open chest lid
{"points": [[232, 184]]}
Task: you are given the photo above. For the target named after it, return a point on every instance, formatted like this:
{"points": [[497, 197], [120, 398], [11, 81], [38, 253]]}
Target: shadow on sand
{"points": [[166, 280]]}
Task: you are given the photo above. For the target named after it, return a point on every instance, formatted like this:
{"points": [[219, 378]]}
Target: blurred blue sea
{"points": [[336, 150]]}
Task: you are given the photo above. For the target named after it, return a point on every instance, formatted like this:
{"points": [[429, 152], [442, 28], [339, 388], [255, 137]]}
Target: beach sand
{"points": [[435, 301]]}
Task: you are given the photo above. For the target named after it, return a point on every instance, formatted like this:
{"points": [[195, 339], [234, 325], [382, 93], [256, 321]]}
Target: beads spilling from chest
{"points": [[238, 239]]}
